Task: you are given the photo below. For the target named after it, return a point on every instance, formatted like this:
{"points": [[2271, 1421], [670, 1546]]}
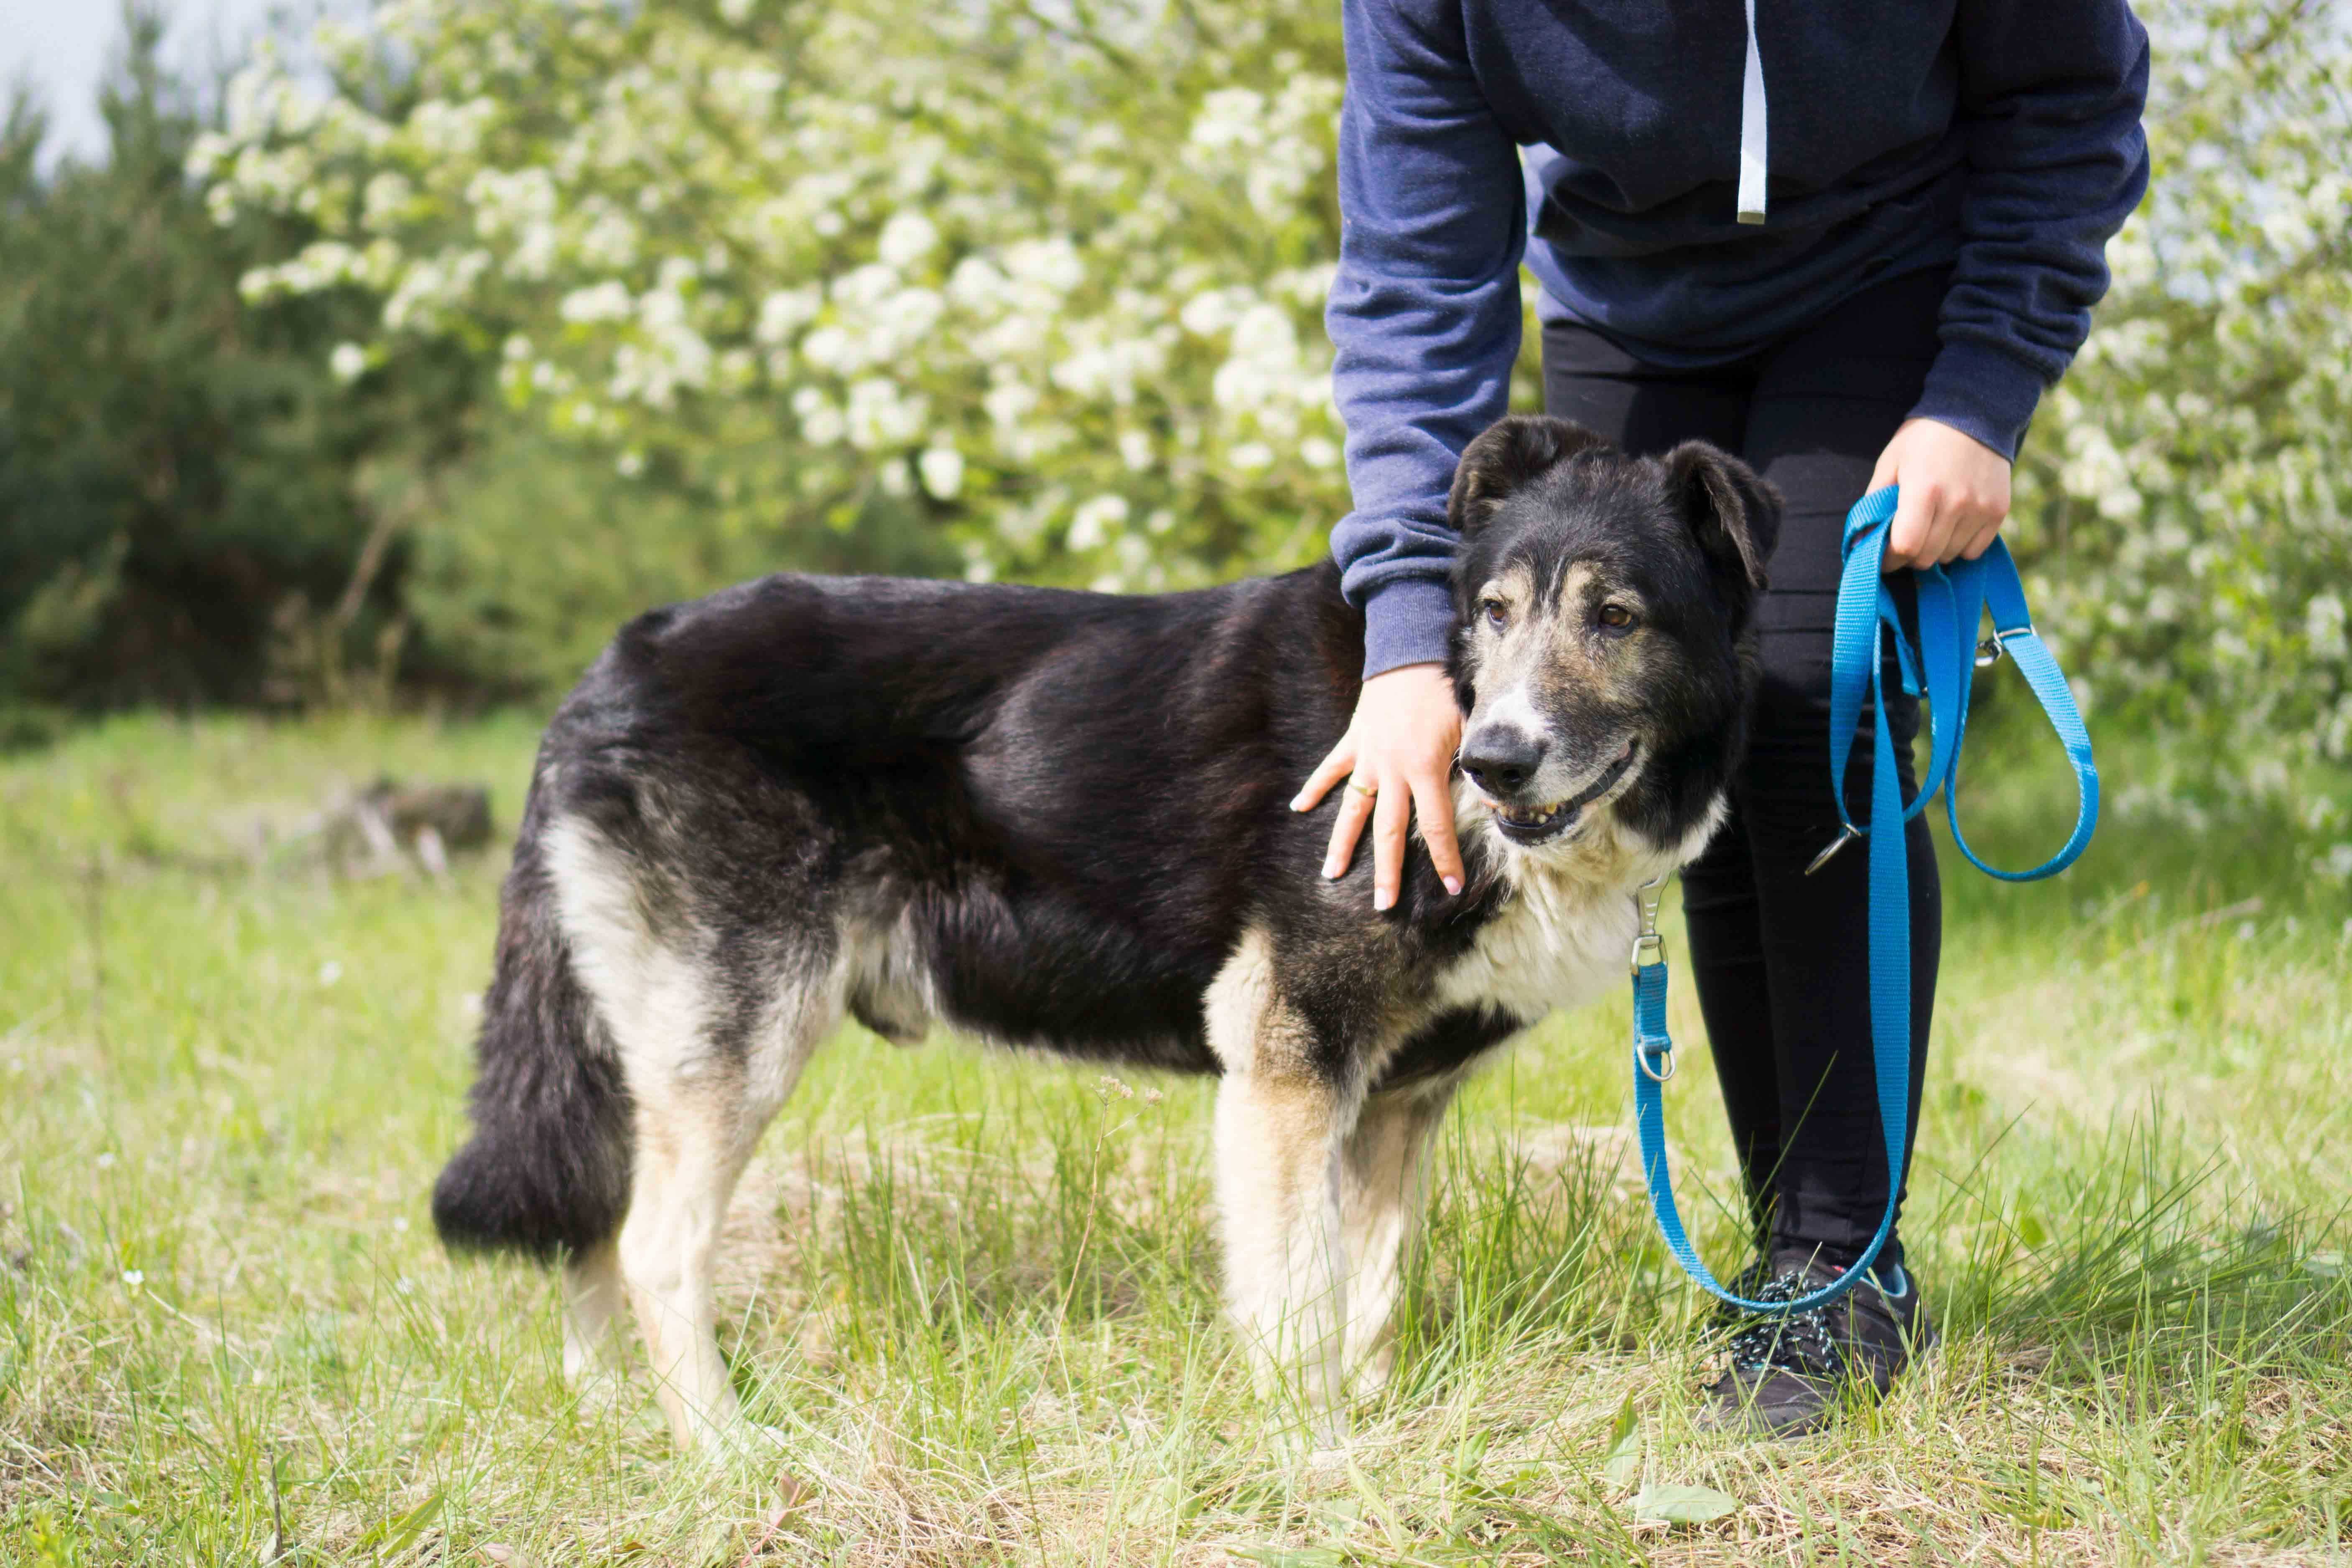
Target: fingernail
{"points": [[1383, 899], [1454, 887], [1298, 802], [1331, 868]]}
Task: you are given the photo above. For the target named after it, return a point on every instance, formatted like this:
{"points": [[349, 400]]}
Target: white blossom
{"points": [[906, 239], [607, 301], [1092, 525], [942, 472], [785, 311]]}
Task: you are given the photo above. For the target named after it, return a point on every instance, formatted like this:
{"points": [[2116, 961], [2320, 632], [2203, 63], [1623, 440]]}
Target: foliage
{"points": [[532, 555], [1049, 278], [185, 494], [1052, 281], [2188, 503]]}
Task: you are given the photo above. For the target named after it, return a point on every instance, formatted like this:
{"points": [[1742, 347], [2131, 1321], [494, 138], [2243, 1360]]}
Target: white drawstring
{"points": [[1752, 145]]}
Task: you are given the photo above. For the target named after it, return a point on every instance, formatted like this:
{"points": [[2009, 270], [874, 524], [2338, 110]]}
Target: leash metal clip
{"points": [[1989, 650], [1846, 836], [1646, 940], [1654, 1056]]}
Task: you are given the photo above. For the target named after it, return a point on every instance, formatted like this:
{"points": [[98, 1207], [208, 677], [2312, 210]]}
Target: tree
{"points": [[179, 476]]}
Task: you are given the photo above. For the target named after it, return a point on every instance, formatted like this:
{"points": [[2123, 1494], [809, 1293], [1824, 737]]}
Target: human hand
{"points": [[1398, 758], [1955, 494]]}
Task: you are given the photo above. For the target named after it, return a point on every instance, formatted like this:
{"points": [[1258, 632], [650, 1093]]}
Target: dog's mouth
{"points": [[1530, 824]]}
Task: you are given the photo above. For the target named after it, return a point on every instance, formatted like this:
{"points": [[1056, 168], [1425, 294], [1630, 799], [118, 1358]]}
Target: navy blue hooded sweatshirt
{"points": [[1695, 186]]}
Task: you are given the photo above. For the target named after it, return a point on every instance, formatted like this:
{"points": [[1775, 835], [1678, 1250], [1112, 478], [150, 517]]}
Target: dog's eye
{"points": [[1496, 614], [1616, 617]]}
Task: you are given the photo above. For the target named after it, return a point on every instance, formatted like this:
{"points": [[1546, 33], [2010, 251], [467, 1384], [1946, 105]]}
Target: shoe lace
{"points": [[1788, 1342]]}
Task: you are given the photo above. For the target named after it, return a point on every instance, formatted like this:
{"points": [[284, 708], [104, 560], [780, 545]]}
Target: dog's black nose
{"points": [[1501, 758]]}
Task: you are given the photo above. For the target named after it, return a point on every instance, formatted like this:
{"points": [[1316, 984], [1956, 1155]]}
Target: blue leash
{"points": [[1950, 601]]}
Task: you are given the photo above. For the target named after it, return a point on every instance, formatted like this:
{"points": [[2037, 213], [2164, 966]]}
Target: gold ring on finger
{"points": [[1369, 791]]}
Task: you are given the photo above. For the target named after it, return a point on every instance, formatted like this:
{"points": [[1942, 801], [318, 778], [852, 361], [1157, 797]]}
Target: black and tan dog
{"points": [[1059, 820]]}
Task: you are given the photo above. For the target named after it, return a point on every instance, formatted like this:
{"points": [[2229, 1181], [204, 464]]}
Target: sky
{"points": [[63, 47]]}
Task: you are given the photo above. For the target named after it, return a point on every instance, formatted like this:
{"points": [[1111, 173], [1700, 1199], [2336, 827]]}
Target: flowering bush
{"points": [[1054, 273], [1056, 279], [2186, 505]]}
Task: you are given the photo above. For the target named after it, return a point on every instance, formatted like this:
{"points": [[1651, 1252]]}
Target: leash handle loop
{"points": [[1939, 663]]}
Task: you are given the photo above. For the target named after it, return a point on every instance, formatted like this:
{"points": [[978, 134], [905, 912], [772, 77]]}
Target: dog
{"points": [[1059, 820]]}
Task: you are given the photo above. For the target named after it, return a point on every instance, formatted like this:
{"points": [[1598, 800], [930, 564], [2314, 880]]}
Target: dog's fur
{"points": [[1060, 820]]}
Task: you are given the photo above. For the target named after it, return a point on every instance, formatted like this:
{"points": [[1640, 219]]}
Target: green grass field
{"points": [[978, 1297]]}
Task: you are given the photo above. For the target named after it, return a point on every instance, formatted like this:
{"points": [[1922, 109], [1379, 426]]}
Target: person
{"points": [[1852, 243]]}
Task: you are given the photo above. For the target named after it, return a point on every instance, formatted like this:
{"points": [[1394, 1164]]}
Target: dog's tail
{"points": [[547, 1170]]}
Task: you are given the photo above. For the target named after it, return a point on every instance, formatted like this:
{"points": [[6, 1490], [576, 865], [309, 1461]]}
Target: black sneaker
{"points": [[1789, 1374], [1748, 1283]]}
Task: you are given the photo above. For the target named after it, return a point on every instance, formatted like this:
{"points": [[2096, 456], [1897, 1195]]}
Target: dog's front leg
{"points": [[1382, 1182], [1277, 1149], [1282, 1115]]}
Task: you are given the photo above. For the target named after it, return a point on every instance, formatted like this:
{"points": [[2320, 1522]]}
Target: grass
{"points": [[978, 1295]]}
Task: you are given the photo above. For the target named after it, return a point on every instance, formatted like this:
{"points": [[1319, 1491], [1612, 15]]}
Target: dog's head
{"points": [[1602, 648]]}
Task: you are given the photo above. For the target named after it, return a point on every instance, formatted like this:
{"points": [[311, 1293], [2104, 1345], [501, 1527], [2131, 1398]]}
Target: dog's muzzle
{"points": [[1505, 765]]}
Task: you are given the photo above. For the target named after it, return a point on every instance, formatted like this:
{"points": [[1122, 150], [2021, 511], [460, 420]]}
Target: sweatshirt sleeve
{"points": [[1423, 312], [2050, 96]]}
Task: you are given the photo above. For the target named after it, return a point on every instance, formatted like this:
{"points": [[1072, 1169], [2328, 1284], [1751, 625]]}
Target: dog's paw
{"points": [[1327, 1462], [739, 1448], [1321, 1446]]}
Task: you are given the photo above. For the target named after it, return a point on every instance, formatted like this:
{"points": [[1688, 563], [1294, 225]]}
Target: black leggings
{"points": [[1781, 959]]}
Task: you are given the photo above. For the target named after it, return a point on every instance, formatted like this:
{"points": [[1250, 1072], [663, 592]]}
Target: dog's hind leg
{"points": [[711, 1037], [692, 1142], [695, 1130], [1280, 1121], [1381, 1171], [593, 1298]]}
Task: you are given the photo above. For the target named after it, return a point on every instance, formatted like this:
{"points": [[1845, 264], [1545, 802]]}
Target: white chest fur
{"points": [[1566, 935], [1560, 942]]}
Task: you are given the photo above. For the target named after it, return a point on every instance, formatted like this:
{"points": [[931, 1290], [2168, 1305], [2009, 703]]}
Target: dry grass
{"points": [[977, 1297]]}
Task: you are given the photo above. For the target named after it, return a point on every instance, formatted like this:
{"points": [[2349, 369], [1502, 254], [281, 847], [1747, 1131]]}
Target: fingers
{"points": [[1390, 818], [1397, 757], [1981, 540], [1338, 765], [1944, 535], [1355, 806], [1955, 494], [1940, 528], [1911, 537], [1965, 527], [1433, 800]]}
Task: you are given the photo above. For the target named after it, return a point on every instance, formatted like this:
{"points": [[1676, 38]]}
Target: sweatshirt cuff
{"points": [[1408, 620], [1982, 393]]}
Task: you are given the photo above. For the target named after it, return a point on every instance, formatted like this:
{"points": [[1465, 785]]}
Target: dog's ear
{"points": [[1507, 454], [1732, 512]]}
